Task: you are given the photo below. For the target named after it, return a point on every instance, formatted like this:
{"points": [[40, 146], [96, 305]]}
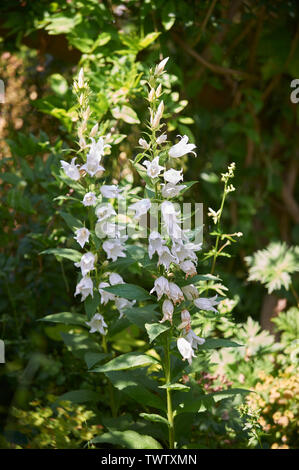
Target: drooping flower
{"points": [[190, 292], [89, 199], [207, 303], [153, 167], [104, 229], [188, 268], [171, 190], [181, 148], [94, 156], [105, 296], [166, 258], [114, 249], [104, 211], [175, 293], [185, 350], [140, 207], [156, 244], [110, 191], [171, 219], [161, 139], [161, 287], [144, 144], [97, 323], [167, 309], [115, 279], [173, 176], [185, 251], [186, 320], [193, 339], [86, 263], [71, 169], [82, 236], [85, 288], [121, 304]]}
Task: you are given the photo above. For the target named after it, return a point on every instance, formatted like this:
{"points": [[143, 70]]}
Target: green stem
{"points": [[168, 394], [218, 228], [295, 294], [113, 406]]}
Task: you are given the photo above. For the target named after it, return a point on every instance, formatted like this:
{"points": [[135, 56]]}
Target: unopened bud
{"points": [[160, 67]]}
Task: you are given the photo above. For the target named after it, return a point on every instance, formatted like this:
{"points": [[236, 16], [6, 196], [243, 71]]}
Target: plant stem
{"points": [[218, 228], [168, 394], [113, 406]]}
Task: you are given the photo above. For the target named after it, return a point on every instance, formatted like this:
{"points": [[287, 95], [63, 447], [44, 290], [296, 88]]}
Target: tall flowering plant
{"points": [[153, 374]]}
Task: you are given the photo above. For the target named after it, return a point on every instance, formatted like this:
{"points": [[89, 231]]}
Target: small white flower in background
{"points": [[161, 139], [160, 67], [86, 263], [143, 143], [82, 236], [207, 303], [186, 320], [156, 244], [110, 191], [185, 349], [97, 323], [105, 296], [167, 309], [173, 176], [156, 117], [153, 167], [215, 215], [71, 169], [140, 207], [85, 288], [114, 249], [161, 287], [166, 258], [115, 279], [181, 148], [193, 339], [121, 305], [190, 292], [94, 130], [171, 190], [188, 268], [89, 199], [104, 211], [175, 293]]}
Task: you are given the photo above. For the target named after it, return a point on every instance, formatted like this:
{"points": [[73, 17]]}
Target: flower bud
{"points": [[94, 130], [160, 67], [167, 309]]}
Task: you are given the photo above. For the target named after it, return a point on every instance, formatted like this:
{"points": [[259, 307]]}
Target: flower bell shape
{"points": [[94, 156], [175, 293], [155, 244], [190, 292], [71, 169], [90, 199], [97, 323], [170, 190], [140, 207], [115, 279], [105, 296], [207, 303], [194, 340], [153, 167], [85, 288], [161, 139], [114, 249], [181, 148], [122, 304], [173, 176], [144, 144], [86, 263], [166, 258], [110, 191], [82, 236], [104, 211], [186, 320], [185, 350], [188, 268], [167, 309], [161, 287]]}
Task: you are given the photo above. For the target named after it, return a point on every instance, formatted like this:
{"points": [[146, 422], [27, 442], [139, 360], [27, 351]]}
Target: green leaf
{"points": [[92, 358], [140, 315], [91, 304], [67, 253], [219, 343], [176, 386], [79, 396], [59, 84], [71, 221], [128, 440], [222, 394], [155, 329], [129, 291], [127, 361], [80, 343], [154, 418], [148, 39], [125, 113], [67, 318]]}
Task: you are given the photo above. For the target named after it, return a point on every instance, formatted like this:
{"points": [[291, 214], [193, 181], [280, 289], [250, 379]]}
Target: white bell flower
{"points": [[153, 167], [190, 292], [104, 228], [188, 268], [171, 190], [185, 251], [94, 156], [97, 323], [161, 139], [90, 199], [86, 263], [144, 144], [185, 350], [167, 309], [114, 249], [194, 340], [173, 176], [71, 169], [166, 258], [82, 236], [181, 148], [115, 279], [105, 296], [140, 207], [175, 293], [161, 287], [207, 303], [104, 211], [110, 191], [155, 244], [121, 305], [85, 288], [186, 320]]}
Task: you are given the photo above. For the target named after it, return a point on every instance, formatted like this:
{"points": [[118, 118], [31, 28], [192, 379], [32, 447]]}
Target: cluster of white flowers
{"points": [[120, 303], [174, 251]]}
